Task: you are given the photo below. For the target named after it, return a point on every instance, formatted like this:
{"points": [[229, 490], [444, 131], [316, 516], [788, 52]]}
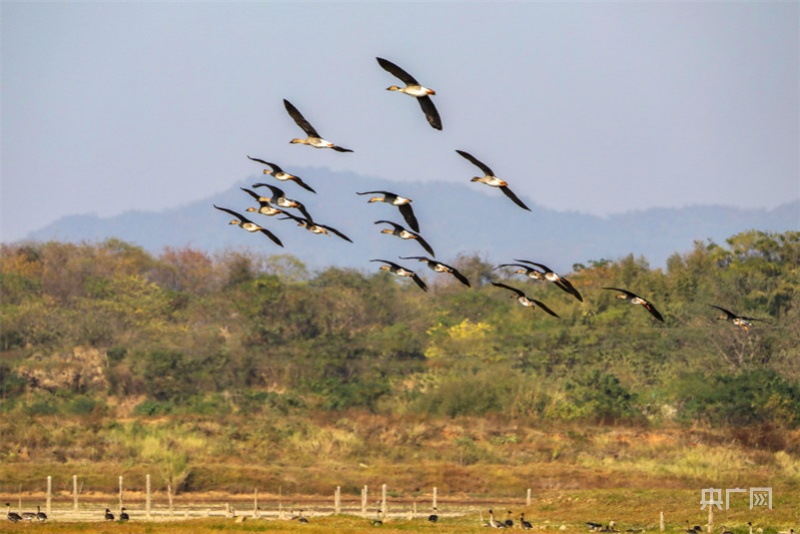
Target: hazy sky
{"points": [[596, 107]]}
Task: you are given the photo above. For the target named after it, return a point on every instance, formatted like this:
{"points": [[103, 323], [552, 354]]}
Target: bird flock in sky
{"points": [[278, 203]]}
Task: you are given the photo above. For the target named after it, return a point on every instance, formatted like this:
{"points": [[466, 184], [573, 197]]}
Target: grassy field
{"points": [[556, 511]]}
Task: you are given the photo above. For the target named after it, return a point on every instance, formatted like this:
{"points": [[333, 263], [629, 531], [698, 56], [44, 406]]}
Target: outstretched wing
{"points": [[729, 313], [460, 277], [485, 168], [237, 215], [514, 289], [274, 167], [391, 68], [299, 119], [629, 293], [302, 184], [395, 225], [510, 194], [408, 214], [335, 231], [425, 245], [542, 306], [567, 286], [653, 311], [430, 111]]}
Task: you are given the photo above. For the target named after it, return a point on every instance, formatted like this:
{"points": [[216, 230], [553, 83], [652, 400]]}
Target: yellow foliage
{"points": [[463, 340]]}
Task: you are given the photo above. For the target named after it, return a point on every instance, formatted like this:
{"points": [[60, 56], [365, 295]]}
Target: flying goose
{"points": [[440, 267], [316, 228], [551, 276], [413, 88], [490, 179], [530, 272], [738, 320], [279, 198], [280, 174], [246, 224], [402, 271], [313, 138], [264, 207], [524, 299], [402, 203], [635, 299], [402, 233]]}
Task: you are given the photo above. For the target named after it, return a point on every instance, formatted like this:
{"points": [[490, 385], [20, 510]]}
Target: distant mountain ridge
{"points": [[454, 218]]}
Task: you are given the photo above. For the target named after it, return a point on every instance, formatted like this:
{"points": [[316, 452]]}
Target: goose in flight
{"points": [[279, 198], [551, 276], [246, 224], [280, 174], [402, 271], [316, 228], [739, 320], [636, 299], [440, 267], [402, 203], [524, 299], [530, 272], [264, 207], [413, 88], [490, 179], [402, 233], [313, 138]]}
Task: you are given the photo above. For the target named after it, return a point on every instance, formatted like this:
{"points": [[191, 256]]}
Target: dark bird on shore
{"points": [[280, 174], [399, 270], [524, 299], [413, 88], [280, 199], [109, 516], [636, 299], [739, 320], [123, 515], [524, 523], [313, 139], [490, 179], [551, 276], [246, 224], [440, 267], [316, 228], [402, 233], [41, 516], [402, 203], [12, 516], [434, 517]]}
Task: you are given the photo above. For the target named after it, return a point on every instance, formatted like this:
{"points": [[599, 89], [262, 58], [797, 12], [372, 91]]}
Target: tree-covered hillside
{"points": [[184, 332]]}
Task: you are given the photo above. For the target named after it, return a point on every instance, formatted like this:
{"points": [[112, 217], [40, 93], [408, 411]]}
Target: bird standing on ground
{"points": [[109, 516], [490, 179], [280, 174], [313, 139], [123, 515], [636, 299], [413, 88], [525, 300], [246, 224], [402, 203], [12, 516], [399, 270]]}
